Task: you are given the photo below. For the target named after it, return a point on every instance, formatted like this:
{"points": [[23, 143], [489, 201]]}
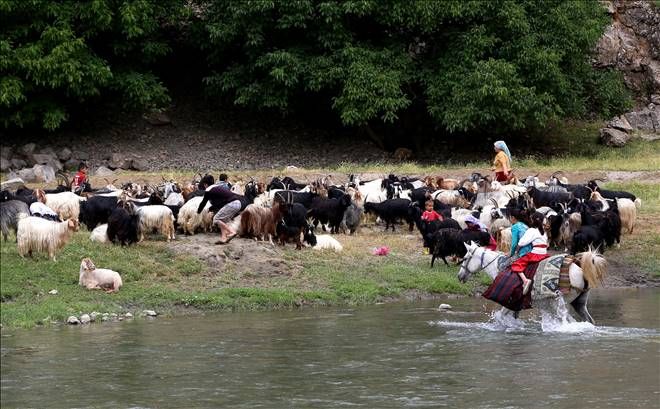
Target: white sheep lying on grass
{"points": [[98, 278], [37, 234], [100, 234], [326, 241]]}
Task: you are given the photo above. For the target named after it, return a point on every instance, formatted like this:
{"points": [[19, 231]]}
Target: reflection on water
{"points": [[397, 355]]}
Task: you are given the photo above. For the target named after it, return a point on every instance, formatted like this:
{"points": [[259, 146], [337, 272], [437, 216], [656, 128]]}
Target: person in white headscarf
{"points": [[502, 162]]}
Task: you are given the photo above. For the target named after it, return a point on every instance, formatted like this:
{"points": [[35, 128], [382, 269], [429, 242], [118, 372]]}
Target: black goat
{"points": [[391, 211], [96, 210], [552, 199], [351, 220], [451, 242], [9, 211], [588, 236], [290, 196], [428, 229], [329, 211], [335, 192], [293, 223], [610, 194], [123, 225], [292, 184]]}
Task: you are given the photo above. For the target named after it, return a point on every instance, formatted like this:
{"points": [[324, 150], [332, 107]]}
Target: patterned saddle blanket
{"points": [[552, 276]]}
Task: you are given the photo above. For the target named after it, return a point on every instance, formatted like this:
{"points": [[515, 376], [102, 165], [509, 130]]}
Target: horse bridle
{"points": [[481, 263]]}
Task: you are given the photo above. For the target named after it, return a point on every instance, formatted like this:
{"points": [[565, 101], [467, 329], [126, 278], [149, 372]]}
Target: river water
{"points": [[381, 356]]}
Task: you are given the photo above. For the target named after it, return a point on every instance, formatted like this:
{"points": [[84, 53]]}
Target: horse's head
{"points": [[466, 268]]}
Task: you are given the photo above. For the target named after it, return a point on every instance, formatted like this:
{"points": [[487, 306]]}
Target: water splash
{"points": [[556, 318]]}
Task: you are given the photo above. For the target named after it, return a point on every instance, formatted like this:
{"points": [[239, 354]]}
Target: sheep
{"points": [[98, 278], [66, 204], [391, 210], [156, 217], [351, 219], [100, 234], [259, 222], [190, 221], [628, 214], [41, 235], [325, 241], [9, 212]]}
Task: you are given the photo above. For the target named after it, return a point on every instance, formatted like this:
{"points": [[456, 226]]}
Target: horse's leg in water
{"points": [[580, 306]]}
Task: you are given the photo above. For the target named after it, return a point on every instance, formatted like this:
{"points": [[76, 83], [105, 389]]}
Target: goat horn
{"points": [[114, 180], [559, 172]]}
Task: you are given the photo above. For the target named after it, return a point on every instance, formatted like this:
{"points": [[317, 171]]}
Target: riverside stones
{"points": [[614, 137], [64, 154], [85, 319], [73, 320], [44, 173]]}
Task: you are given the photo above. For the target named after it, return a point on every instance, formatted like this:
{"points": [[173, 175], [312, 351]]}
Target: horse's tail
{"points": [[594, 266]]}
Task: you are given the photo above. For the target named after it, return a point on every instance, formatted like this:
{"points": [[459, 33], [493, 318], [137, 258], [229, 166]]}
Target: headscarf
{"points": [[475, 221], [502, 145]]}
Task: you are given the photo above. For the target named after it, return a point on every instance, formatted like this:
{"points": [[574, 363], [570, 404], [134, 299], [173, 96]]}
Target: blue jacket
{"points": [[517, 231]]}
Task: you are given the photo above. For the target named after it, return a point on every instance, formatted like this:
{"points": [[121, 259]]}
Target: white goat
{"points": [[372, 192], [37, 234], [156, 217], [460, 215], [326, 241], [174, 199], [503, 238], [190, 221], [65, 204], [627, 213], [100, 234], [98, 278], [450, 197]]}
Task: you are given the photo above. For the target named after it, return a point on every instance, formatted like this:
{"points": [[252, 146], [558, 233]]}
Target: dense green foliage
{"points": [[59, 55], [463, 66]]}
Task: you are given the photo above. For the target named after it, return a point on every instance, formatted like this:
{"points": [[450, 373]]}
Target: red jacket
{"points": [[79, 179], [431, 216]]}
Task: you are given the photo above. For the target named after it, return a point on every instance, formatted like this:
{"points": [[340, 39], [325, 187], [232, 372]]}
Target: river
{"points": [[381, 356]]}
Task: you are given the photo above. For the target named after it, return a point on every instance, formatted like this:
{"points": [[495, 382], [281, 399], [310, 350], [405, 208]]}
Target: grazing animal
{"points": [[352, 218], [156, 218], [586, 237], [98, 278], [260, 222], [9, 212], [327, 242], [293, 224], [123, 225], [190, 221], [614, 194], [542, 198], [503, 239], [41, 235], [329, 211], [628, 214], [391, 211], [451, 242], [65, 204], [96, 210], [100, 234], [583, 277]]}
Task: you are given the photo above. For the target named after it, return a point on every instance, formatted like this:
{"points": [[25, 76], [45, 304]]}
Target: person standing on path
{"points": [[502, 162]]}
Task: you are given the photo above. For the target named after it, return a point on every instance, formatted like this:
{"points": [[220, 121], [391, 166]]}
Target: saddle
{"points": [[506, 289]]}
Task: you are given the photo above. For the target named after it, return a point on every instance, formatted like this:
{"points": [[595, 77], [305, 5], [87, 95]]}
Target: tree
{"points": [[471, 65], [56, 56]]}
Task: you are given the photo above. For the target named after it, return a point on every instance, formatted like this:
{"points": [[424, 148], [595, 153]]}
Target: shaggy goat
{"points": [[123, 224], [9, 212], [41, 235], [94, 278], [156, 218], [260, 222], [628, 214], [351, 220], [65, 204], [190, 221]]}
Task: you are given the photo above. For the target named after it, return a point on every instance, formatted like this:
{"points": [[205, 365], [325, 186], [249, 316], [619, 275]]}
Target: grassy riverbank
{"points": [[172, 278]]}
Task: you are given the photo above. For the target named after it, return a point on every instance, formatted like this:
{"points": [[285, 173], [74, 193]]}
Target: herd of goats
{"points": [[576, 216]]}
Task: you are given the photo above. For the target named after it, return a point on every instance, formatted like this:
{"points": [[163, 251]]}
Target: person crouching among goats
{"points": [[226, 205]]}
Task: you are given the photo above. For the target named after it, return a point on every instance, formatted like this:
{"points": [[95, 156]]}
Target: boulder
{"points": [[27, 149], [614, 137], [85, 319], [157, 119], [620, 123], [27, 174], [48, 151], [64, 154], [71, 164], [5, 164], [17, 163], [43, 158], [44, 173], [73, 320], [140, 165], [119, 161], [12, 184], [6, 151], [80, 155], [102, 171], [55, 164], [641, 119]]}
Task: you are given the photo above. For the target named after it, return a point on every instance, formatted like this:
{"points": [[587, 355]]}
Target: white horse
{"points": [[582, 278]]}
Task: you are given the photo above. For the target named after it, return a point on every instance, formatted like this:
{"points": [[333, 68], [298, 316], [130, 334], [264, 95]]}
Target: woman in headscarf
{"points": [[502, 162]]}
